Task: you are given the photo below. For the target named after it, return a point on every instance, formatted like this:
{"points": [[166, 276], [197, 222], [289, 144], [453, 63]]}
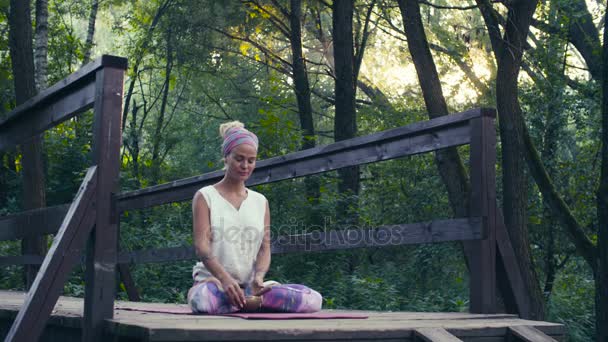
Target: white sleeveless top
{"points": [[236, 235]]}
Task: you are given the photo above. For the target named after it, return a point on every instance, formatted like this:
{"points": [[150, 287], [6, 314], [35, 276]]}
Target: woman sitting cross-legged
{"points": [[231, 227]]}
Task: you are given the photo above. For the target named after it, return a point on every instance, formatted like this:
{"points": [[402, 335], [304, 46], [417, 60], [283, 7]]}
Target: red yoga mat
{"points": [[180, 310]]}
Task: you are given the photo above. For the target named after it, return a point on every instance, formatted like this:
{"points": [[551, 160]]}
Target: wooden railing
{"points": [[480, 231], [91, 216]]}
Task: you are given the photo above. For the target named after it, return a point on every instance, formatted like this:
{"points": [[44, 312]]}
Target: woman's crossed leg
{"points": [[208, 297]]}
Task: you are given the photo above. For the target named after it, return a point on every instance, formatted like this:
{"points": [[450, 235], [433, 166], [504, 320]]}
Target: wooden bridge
{"points": [[91, 224]]}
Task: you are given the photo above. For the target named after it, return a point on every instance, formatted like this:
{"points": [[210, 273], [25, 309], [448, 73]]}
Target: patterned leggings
{"points": [[207, 297]]}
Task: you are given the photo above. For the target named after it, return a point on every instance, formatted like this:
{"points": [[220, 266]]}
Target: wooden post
{"points": [[61, 258], [482, 283], [100, 275], [436, 334], [127, 280]]}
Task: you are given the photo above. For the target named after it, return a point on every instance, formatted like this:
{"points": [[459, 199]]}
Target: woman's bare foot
{"points": [[252, 304]]}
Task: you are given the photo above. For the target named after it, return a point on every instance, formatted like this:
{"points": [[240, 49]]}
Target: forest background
{"points": [[306, 73]]}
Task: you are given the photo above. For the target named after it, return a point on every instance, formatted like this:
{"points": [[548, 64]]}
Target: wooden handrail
{"points": [[415, 138], [424, 136], [61, 101]]}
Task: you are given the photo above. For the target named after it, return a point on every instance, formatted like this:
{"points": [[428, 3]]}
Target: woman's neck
{"points": [[232, 186]]}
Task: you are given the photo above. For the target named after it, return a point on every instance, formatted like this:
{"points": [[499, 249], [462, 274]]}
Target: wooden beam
{"points": [[46, 116], [383, 236], [323, 241], [32, 222], [100, 274], [55, 104], [482, 264], [512, 286], [61, 258], [434, 335], [463, 229], [420, 137], [528, 333], [402, 141], [28, 259]]}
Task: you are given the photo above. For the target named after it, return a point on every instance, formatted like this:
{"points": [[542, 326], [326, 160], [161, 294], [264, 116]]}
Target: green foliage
{"points": [[571, 303]]}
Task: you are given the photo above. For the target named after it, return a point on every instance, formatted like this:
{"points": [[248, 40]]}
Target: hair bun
{"points": [[228, 125]]}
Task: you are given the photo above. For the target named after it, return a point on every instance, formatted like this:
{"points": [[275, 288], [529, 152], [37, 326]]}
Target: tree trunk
{"points": [[22, 58], [559, 208], [509, 56], [88, 46], [584, 35], [132, 145], [463, 63], [345, 123], [42, 42], [448, 161], [601, 277], [158, 136], [7, 173], [553, 88], [139, 57], [302, 92]]}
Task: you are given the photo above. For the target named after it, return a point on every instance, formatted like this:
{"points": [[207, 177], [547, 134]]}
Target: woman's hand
{"points": [[257, 287], [234, 291]]}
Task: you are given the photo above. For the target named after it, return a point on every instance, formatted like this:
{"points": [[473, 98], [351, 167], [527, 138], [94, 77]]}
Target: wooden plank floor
{"points": [[143, 326]]}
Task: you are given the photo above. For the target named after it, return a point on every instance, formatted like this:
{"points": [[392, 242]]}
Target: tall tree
{"points": [[601, 278], [88, 45], [22, 60], [302, 92], [158, 138], [140, 54], [287, 21], [42, 42], [508, 51], [583, 35], [448, 161], [554, 60], [345, 122]]}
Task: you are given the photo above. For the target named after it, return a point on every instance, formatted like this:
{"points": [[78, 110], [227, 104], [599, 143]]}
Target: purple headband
{"points": [[236, 136]]}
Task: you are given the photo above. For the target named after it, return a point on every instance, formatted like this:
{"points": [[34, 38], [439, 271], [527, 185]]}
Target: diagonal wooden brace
{"points": [[67, 247]]}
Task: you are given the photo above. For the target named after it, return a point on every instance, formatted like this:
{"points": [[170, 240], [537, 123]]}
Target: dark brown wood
{"points": [[32, 222], [87, 72], [321, 241], [527, 333], [379, 326], [63, 255], [383, 236], [56, 104], [127, 281], [318, 159], [100, 275], [28, 259], [157, 255], [279, 168], [51, 114], [482, 266], [512, 287], [416, 138], [434, 335]]}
